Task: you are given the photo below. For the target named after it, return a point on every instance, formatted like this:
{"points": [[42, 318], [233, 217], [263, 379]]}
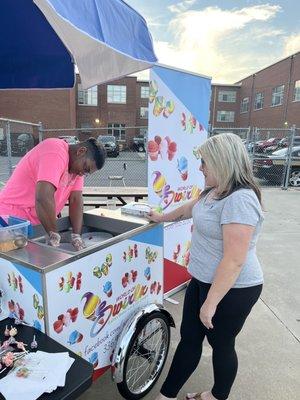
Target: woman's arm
{"points": [[181, 213], [236, 240]]}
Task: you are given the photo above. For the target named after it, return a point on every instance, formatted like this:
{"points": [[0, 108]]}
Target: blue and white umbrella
{"points": [[42, 40]]}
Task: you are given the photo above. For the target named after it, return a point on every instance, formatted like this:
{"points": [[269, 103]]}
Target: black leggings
{"points": [[229, 319]]}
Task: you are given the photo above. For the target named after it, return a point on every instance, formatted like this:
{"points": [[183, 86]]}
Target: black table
{"points": [[79, 376]]}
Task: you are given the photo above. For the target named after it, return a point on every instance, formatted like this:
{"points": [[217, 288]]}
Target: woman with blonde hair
{"points": [[226, 274]]}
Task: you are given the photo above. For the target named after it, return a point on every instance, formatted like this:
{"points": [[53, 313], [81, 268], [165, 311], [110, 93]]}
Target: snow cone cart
{"points": [[101, 302]]}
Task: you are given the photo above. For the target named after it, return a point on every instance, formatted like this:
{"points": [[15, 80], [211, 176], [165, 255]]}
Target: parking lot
{"points": [[131, 165]]}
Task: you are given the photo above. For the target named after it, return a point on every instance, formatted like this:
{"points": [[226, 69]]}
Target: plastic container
{"points": [[13, 233], [136, 209]]}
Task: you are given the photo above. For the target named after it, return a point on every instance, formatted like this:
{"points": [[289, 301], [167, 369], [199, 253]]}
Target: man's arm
{"points": [[76, 211], [45, 205]]}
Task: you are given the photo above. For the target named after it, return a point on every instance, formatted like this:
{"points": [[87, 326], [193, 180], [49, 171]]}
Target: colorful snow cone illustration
{"points": [[190, 124], [91, 304], [75, 337], [131, 253], [20, 284], [172, 150], [150, 255], [15, 282], [182, 166], [155, 287], [40, 312], [37, 325], [129, 277], [107, 288], [169, 108], [65, 319], [164, 147], [153, 89], [94, 359], [153, 150], [109, 259], [196, 152], [158, 183], [97, 272], [69, 282], [159, 105], [147, 273], [133, 275], [35, 301]]}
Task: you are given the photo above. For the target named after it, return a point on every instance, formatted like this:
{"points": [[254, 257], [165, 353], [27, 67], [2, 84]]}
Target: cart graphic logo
{"points": [[100, 312]]}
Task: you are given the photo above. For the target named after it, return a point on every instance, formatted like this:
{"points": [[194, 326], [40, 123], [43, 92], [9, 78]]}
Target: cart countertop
{"points": [[43, 258]]}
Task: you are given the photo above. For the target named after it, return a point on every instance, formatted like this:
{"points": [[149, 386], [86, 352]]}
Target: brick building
{"points": [[119, 108], [270, 98]]}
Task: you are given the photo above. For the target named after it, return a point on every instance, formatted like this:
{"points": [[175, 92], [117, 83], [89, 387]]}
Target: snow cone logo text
{"points": [[100, 312]]}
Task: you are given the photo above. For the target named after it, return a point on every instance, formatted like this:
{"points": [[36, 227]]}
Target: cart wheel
{"points": [[146, 356]]}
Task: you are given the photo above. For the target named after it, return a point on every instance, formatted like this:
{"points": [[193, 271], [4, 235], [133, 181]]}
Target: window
{"points": [[144, 132], [86, 126], [116, 94], [117, 130], [297, 91], [227, 96], [258, 101], [277, 95], [144, 92], [225, 116], [88, 97], [245, 105], [144, 112]]}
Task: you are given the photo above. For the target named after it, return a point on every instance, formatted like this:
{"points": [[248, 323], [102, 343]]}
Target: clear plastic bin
{"points": [[13, 233]]}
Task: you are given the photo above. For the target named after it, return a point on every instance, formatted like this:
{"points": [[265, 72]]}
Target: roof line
{"points": [[271, 65]]}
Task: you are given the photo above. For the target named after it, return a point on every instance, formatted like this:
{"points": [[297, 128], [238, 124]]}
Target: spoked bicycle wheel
{"points": [[146, 356]]}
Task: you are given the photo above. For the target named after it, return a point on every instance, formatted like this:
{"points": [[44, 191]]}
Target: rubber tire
{"points": [[122, 387], [141, 149], [294, 170]]}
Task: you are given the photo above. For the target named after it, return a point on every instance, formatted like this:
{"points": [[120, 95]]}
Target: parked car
{"points": [[110, 145], [139, 144], [21, 143], [271, 167], [284, 142], [70, 139], [263, 145]]}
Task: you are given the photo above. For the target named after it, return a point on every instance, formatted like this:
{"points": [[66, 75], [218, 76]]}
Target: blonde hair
{"points": [[226, 156]]}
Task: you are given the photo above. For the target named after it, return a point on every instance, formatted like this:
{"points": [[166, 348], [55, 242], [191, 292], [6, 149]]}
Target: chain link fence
{"points": [[275, 153], [275, 156], [16, 139], [126, 163]]}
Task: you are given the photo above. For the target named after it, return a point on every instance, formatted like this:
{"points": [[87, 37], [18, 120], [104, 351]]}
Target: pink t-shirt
{"points": [[48, 161]]}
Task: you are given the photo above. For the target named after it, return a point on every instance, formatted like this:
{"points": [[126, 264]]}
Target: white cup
{"points": [[111, 204]]}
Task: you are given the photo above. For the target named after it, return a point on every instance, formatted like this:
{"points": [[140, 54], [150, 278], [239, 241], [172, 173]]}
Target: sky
{"points": [[227, 40]]}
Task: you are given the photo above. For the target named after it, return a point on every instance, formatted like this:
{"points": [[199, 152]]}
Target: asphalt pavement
{"points": [[269, 345]]}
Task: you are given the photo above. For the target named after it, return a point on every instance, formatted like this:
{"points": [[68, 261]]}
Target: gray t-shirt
{"points": [[241, 207]]}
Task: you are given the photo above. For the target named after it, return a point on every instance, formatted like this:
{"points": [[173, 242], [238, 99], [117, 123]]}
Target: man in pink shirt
{"points": [[46, 178]]}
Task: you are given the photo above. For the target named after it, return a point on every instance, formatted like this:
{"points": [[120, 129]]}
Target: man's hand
{"points": [[53, 239], [77, 241]]}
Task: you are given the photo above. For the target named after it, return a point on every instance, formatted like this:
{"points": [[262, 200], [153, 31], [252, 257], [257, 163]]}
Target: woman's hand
{"points": [[155, 216], [207, 311]]}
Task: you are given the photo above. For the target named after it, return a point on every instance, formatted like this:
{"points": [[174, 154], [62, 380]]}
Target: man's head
{"points": [[86, 157]]}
